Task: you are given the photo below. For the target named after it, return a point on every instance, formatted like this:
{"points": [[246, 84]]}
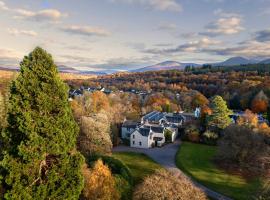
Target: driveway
{"points": [[165, 156]]}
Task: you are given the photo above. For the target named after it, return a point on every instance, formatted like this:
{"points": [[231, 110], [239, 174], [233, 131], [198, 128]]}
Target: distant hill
{"points": [[65, 69], [235, 61], [62, 69], [167, 65], [267, 61]]}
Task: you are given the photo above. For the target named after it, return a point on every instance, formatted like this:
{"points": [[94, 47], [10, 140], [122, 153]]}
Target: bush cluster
{"points": [[164, 185]]}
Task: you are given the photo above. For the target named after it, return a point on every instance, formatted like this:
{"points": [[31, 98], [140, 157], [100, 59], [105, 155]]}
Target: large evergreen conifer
{"points": [[220, 113], [39, 158]]}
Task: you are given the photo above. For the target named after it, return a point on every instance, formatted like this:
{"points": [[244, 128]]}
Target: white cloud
{"points": [[224, 26], [251, 49], [9, 57], [190, 47], [17, 32], [42, 15], [162, 5], [3, 6], [86, 30]]}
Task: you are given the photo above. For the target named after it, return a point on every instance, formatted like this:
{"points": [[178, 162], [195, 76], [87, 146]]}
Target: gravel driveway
{"points": [[165, 156]]}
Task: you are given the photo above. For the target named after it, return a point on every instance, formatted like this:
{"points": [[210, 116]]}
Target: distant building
{"points": [[152, 129], [128, 127]]}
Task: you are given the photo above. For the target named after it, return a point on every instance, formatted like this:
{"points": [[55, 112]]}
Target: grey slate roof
{"points": [[157, 129], [144, 131], [130, 124], [174, 119]]}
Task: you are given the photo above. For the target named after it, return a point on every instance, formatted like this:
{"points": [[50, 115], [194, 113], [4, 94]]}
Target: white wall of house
{"points": [[160, 135], [139, 141], [174, 135], [126, 132]]}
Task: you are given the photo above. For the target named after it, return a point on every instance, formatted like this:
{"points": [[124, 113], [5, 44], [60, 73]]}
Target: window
{"points": [[128, 129], [133, 142], [140, 143], [133, 136]]}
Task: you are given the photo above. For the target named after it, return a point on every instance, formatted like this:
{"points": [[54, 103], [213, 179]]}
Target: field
{"points": [[140, 165], [69, 76], [6, 76], [196, 160]]}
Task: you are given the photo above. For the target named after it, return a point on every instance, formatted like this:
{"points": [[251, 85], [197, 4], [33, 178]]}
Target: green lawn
{"points": [[196, 161], [140, 165]]}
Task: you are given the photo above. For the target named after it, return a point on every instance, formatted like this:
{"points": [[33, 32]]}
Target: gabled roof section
{"points": [[144, 131], [130, 124], [174, 118]]}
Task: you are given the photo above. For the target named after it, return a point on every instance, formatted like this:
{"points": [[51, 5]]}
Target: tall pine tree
{"points": [[39, 158], [220, 113]]}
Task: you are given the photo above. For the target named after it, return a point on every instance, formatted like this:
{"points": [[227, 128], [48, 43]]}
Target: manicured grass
{"points": [[196, 160], [140, 165]]}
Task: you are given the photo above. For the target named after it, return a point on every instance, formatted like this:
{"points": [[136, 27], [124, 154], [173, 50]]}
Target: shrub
{"points": [[123, 187], [99, 183], [126, 141], [164, 185], [210, 138], [168, 136], [192, 133], [264, 194]]}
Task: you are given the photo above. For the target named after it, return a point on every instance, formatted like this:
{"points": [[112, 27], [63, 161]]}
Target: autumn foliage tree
{"points": [[249, 119], [94, 137], [99, 183], [39, 159], [199, 100], [260, 103], [99, 101]]}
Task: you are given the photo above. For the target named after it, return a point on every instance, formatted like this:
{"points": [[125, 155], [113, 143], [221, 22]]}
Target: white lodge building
{"points": [[152, 130]]}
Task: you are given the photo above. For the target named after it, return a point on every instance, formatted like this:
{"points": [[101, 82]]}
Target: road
{"points": [[165, 156]]}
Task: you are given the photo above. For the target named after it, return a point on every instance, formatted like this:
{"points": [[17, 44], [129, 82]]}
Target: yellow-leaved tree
{"points": [[99, 183]]}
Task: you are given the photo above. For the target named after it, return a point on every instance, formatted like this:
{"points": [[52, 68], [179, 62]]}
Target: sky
{"points": [[128, 34]]}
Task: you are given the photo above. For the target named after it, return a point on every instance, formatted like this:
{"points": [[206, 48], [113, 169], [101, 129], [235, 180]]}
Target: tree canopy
{"points": [[39, 158], [220, 113]]}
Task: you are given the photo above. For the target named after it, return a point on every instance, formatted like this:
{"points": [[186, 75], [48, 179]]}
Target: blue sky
{"points": [[128, 34]]}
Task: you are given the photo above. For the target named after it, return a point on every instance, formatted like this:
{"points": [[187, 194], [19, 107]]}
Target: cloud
{"points": [[9, 57], [263, 35], [17, 32], [42, 15], [76, 59], [85, 30], [251, 49], [3, 6], [190, 47], [224, 26], [167, 27], [162, 5], [189, 35]]}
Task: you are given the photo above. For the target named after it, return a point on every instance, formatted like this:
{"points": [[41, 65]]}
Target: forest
{"points": [[237, 87]]}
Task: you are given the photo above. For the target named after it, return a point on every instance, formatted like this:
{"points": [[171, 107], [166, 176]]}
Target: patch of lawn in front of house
{"points": [[139, 164], [196, 160]]}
